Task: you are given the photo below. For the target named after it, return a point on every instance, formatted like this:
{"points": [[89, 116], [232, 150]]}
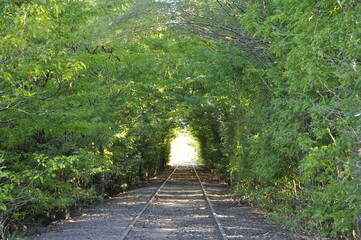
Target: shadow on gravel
{"points": [[242, 221], [179, 212]]}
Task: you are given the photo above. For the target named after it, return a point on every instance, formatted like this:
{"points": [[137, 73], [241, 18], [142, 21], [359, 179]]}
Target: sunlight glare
{"points": [[183, 150]]}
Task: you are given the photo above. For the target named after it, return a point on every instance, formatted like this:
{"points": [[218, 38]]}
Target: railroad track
{"points": [[181, 199]]}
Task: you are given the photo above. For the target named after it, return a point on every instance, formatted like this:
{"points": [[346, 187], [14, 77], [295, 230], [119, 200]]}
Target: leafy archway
{"points": [[90, 92]]}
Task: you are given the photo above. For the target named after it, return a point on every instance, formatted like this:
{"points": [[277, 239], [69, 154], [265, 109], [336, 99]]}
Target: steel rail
{"points": [[131, 225], [219, 225], [136, 218]]}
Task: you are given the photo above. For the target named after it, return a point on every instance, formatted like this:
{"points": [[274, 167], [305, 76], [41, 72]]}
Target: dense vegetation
{"points": [[91, 92]]}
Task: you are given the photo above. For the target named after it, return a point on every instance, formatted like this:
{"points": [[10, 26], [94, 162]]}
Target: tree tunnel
{"points": [[94, 93]]}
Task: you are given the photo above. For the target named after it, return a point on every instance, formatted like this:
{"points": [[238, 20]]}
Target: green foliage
{"points": [[91, 91], [297, 139], [77, 120]]}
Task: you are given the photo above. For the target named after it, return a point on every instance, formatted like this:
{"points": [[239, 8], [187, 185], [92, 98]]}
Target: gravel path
{"points": [[242, 221], [105, 220], [179, 212]]}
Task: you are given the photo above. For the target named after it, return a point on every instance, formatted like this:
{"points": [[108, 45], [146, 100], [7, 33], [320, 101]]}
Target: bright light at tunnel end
{"points": [[184, 150]]}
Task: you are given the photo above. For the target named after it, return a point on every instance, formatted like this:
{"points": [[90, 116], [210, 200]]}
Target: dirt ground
{"points": [[178, 212], [242, 221]]}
